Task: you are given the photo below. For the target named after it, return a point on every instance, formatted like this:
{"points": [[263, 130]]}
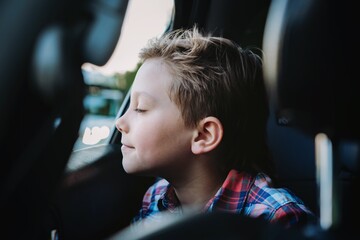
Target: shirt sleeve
{"points": [[293, 215]]}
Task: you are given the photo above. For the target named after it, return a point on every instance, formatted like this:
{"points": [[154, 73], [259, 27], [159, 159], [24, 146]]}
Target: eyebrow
{"points": [[141, 94]]}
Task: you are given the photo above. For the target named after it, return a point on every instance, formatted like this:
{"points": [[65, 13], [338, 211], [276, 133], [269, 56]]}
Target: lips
{"points": [[127, 145], [126, 148]]}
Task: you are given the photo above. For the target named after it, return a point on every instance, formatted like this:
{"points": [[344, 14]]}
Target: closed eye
{"points": [[138, 110]]}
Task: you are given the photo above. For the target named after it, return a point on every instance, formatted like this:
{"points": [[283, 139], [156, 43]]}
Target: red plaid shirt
{"points": [[240, 193]]}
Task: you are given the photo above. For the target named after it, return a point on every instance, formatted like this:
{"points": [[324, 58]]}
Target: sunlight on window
{"points": [[95, 134], [107, 85], [143, 20]]}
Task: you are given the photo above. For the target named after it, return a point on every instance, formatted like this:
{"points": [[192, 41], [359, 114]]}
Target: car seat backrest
{"points": [[41, 89], [309, 78], [293, 154]]}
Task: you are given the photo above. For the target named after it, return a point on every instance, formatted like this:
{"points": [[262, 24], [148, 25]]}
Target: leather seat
{"points": [[310, 80]]}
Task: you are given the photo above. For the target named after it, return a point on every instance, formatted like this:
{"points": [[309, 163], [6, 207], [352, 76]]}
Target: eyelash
{"points": [[138, 110]]}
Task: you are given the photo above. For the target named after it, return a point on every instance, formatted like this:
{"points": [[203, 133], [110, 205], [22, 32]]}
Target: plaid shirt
{"points": [[240, 193]]}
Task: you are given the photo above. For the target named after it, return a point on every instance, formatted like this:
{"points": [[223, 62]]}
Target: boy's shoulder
{"points": [[263, 196], [276, 204], [263, 189]]}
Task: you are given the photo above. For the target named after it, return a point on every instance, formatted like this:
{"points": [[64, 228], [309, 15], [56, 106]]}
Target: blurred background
{"points": [[107, 85]]}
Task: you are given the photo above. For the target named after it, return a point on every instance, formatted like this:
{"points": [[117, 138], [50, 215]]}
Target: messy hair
{"points": [[214, 76]]}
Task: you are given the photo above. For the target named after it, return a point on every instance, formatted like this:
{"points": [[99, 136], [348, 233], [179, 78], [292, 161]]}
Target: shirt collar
{"points": [[169, 201], [233, 193], [230, 197]]}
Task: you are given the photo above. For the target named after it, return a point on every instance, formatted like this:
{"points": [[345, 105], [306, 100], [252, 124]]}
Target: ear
{"points": [[207, 135]]}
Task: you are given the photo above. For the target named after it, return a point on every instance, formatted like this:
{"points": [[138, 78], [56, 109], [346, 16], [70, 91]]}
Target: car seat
{"points": [[43, 47], [314, 101]]}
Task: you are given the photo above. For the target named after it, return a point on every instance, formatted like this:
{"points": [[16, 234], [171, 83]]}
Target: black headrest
{"points": [[310, 69]]}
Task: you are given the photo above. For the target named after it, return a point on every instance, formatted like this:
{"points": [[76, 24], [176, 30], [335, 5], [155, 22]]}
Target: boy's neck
{"points": [[198, 186]]}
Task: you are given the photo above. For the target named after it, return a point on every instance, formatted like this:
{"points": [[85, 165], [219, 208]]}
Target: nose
{"points": [[121, 125]]}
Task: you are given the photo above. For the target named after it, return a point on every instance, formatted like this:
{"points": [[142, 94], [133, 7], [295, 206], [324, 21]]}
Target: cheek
{"points": [[150, 138], [146, 135], [160, 139]]}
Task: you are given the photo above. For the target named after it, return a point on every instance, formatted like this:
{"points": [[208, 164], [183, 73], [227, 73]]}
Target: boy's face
{"points": [[154, 137]]}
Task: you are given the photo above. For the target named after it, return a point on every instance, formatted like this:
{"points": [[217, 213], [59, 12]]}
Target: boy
{"points": [[197, 120]]}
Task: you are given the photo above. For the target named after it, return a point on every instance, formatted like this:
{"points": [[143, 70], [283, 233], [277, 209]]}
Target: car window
{"points": [[107, 85]]}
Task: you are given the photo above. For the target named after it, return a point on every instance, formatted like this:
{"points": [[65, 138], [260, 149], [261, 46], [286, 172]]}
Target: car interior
{"points": [[308, 49]]}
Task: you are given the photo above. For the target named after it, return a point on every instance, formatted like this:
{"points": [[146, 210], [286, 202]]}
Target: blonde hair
{"points": [[213, 76]]}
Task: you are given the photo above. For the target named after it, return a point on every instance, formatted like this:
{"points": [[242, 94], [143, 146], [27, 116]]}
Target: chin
{"points": [[129, 168]]}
